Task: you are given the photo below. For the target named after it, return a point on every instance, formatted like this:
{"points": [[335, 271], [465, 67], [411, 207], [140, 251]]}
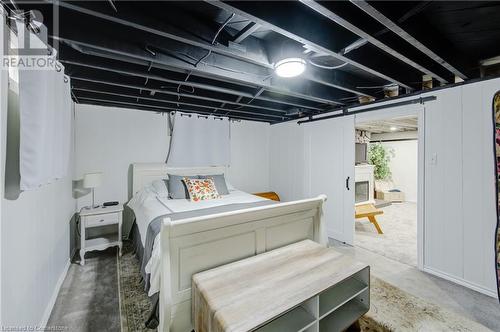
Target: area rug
{"points": [[135, 305], [399, 241], [391, 309]]}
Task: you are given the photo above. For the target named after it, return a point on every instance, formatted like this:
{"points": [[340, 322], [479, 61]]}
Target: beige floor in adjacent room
{"points": [[399, 241]]}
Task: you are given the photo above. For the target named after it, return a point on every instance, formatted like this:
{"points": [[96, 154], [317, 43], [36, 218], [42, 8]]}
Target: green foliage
{"points": [[379, 156]]}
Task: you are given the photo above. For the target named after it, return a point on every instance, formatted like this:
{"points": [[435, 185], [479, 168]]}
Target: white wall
{"points": [[460, 214], [459, 206], [249, 169], [34, 239], [403, 167], [287, 167], [111, 139]]}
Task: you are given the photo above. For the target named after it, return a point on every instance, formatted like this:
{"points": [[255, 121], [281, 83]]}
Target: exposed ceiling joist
{"points": [[173, 103], [161, 29], [113, 5], [215, 68], [374, 41], [370, 10], [208, 87], [159, 109], [255, 52], [491, 61], [413, 11], [246, 32], [165, 92], [303, 39], [218, 57]]}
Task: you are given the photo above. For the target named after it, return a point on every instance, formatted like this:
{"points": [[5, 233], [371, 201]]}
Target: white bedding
{"points": [[148, 205]]}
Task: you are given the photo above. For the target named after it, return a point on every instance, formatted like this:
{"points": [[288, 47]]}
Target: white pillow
{"points": [[139, 197], [160, 188], [230, 186]]}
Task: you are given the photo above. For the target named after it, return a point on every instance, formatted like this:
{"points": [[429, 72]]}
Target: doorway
{"points": [[389, 184]]}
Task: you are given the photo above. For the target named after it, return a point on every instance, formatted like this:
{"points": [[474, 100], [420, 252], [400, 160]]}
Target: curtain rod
{"points": [[345, 110]]}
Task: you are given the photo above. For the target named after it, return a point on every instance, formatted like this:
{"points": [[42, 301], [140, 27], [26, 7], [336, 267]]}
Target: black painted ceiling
{"points": [[213, 57]]}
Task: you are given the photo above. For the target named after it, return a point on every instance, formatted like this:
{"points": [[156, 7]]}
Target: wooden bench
{"points": [[301, 287], [369, 211]]}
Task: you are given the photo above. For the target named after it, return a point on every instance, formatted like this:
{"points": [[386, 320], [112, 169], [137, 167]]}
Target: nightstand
{"points": [[269, 195], [97, 217]]}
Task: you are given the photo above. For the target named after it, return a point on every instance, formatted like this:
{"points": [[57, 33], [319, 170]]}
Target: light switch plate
{"points": [[434, 159]]}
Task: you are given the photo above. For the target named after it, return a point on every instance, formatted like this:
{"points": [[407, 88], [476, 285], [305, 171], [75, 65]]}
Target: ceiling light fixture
{"points": [[394, 128], [290, 67]]}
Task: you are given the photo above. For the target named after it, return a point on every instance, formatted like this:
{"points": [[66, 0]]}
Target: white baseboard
{"points": [[53, 298], [336, 236], [462, 282]]}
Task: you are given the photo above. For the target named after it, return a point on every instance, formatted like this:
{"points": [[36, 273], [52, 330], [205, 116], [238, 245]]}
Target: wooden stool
{"points": [[369, 211]]}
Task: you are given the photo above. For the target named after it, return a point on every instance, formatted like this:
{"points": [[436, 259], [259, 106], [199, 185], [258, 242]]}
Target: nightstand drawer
{"points": [[101, 220]]}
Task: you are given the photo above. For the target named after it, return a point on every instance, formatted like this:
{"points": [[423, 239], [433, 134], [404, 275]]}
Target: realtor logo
{"points": [[25, 43]]}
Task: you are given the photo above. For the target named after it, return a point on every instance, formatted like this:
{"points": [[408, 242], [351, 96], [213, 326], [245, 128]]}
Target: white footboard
{"points": [[196, 244]]}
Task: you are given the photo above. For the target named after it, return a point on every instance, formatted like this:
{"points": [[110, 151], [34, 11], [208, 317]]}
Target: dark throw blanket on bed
{"points": [[154, 229]]}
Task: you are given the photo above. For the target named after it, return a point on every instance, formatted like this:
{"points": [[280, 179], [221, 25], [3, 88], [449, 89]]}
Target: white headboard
{"points": [[145, 173]]}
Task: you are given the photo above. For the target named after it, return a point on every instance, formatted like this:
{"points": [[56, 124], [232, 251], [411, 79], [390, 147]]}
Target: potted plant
{"points": [[380, 156]]}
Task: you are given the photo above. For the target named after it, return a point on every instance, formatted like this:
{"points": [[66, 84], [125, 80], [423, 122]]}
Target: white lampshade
{"points": [[92, 180]]}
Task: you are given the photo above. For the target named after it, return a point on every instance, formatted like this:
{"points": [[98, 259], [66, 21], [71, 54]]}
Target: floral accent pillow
{"points": [[201, 189]]}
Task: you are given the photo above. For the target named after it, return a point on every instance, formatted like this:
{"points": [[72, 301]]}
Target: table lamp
{"points": [[92, 180]]}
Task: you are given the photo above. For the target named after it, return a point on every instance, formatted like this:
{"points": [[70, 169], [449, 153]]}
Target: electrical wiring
{"points": [[175, 87], [179, 87], [16, 14], [215, 38], [326, 67]]}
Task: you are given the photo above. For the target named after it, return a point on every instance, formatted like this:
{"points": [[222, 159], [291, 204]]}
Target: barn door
{"points": [[329, 156]]}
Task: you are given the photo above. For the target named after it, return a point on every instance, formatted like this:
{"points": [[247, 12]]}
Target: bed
{"points": [[193, 237]]}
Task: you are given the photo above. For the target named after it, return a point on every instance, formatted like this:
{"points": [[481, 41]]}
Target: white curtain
{"points": [[45, 125], [199, 141]]}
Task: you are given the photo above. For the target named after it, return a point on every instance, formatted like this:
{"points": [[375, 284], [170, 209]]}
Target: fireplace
{"points": [[361, 191], [363, 184]]}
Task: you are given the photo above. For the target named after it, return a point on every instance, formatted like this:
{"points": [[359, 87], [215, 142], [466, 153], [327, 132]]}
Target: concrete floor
{"points": [[473, 305], [88, 300]]}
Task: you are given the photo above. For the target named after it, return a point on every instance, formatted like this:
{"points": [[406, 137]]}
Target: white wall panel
{"points": [[443, 183], [287, 161], [459, 204], [473, 195], [308, 160], [111, 139], [249, 169], [35, 237]]}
